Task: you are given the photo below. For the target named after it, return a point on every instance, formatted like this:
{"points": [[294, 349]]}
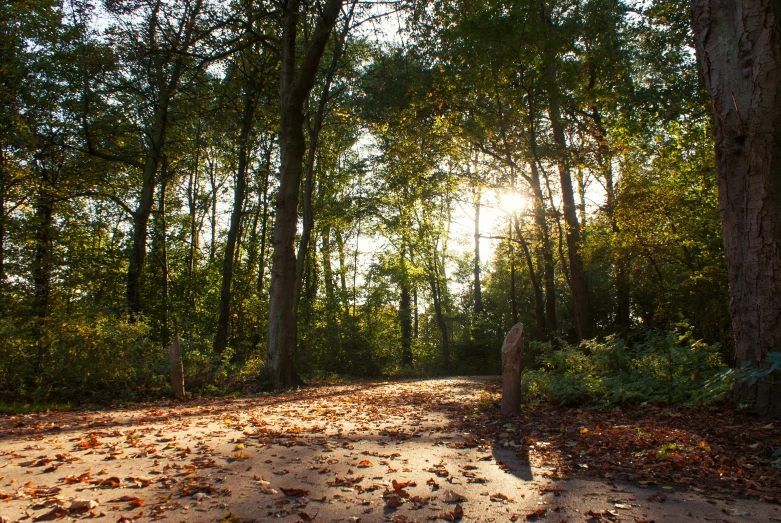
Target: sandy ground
{"points": [[340, 453]]}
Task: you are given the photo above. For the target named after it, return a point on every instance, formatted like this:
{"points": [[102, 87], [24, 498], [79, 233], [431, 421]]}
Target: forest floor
{"points": [[396, 451]]}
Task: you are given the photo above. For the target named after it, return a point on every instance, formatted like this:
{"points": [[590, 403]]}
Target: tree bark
{"points": [[620, 280], [314, 129], [296, 83], [177, 372], [541, 222], [572, 227], [333, 306], [739, 49], [3, 185]]}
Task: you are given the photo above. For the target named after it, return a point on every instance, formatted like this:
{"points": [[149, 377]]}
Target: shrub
{"points": [[79, 358], [660, 368]]}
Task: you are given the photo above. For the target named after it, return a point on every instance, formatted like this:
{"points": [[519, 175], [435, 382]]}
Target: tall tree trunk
{"points": [[314, 129], [3, 188], [135, 268], [540, 220], [739, 49], [511, 258], [295, 85], [436, 295], [251, 90], [572, 226], [355, 270], [214, 186], [415, 315], [577, 278], [539, 301], [332, 302], [42, 258], [192, 204], [342, 265], [42, 274], [620, 279], [405, 312], [478, 291], [264, 223], [166, 327]]}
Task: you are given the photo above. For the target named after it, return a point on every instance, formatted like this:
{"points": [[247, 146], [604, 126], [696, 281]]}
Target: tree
{"points": [[296, 82], [739, 49], [253, 67], [160, 47]]}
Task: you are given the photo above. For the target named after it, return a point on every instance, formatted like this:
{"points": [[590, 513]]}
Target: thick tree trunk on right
{"points": [[739, 49]]}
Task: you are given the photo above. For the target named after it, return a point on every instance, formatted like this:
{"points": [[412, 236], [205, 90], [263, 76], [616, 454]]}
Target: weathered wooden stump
{"points": [[512, 354], [177, 372]]}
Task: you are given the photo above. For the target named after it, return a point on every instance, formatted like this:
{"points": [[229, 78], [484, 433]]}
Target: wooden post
{"points": [[512, 354], [177, 372]]}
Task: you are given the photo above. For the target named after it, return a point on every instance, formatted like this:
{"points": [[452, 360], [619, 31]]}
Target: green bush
{"points": [[660, 368], [79, 358]]}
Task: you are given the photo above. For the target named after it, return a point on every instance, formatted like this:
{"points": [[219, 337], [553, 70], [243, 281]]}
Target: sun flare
{"points": [[511, 201]]}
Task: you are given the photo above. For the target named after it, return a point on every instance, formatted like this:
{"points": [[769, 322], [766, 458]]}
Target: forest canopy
{"points": [[356, 188]]}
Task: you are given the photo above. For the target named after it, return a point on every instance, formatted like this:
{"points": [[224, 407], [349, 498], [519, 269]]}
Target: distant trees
{"points": [[292, 195]]}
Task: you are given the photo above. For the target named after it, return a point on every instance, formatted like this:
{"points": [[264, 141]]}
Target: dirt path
{"points": [[341, 453]]}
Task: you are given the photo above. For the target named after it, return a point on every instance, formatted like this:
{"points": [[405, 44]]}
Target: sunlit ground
{"points": [[333, 453]]}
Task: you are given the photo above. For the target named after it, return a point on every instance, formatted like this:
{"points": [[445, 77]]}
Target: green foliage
{"points": [[748, 373], [659, 368], [80, 358], [410, 134]]}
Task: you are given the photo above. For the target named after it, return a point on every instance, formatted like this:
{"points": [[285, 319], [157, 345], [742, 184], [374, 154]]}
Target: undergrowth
{"points": [[661, 368]]}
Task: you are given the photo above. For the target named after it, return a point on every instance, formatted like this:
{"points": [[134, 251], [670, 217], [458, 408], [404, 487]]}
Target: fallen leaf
{"points": [[452, 497], [82, 505], [499, 497], [294, 492]]}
